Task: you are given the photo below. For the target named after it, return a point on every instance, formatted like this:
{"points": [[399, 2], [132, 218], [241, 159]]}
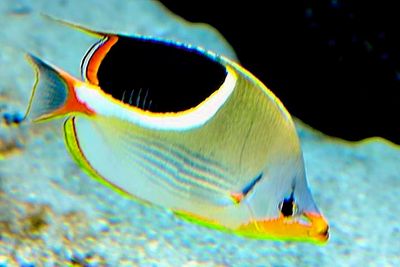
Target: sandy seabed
{"points": [[52, 214]]}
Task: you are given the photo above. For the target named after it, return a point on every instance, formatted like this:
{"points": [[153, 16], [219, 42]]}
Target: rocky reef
{"points": [[52, 214]]}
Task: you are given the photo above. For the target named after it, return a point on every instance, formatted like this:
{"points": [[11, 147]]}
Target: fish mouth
{"points": [[319, 228]]}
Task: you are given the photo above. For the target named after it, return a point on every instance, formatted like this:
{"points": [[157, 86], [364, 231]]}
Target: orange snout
{"points": [[309, 227]]}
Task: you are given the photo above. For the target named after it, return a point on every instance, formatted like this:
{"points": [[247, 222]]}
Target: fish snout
{"points": [[319, 229]]}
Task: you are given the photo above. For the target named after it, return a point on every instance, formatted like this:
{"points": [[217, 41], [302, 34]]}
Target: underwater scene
{"points": [[133, 136]]}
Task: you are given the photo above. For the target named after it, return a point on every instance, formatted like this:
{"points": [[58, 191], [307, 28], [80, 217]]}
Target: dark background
{"points": [[334, 64]]}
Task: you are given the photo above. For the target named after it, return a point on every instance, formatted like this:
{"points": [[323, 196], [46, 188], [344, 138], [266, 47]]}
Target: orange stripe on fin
{"points": [[91, 65], [72, 104], [94, 56]]}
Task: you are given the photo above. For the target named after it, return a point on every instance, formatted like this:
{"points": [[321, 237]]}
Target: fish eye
{"points": [[288, 206]]}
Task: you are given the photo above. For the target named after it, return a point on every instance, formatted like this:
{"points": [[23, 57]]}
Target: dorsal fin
{"points": [[91, 61], [154, 74], [75, 26]]}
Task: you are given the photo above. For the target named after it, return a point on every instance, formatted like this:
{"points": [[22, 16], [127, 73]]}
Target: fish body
{"points": [[185, 129]]}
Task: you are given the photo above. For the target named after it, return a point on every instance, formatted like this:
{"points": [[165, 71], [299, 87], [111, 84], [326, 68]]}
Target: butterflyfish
{"points": [[185, 129]]}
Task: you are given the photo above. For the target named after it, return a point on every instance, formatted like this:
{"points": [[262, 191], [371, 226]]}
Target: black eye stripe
{"points": [[251, 185], [287, 206], [237, 197]]}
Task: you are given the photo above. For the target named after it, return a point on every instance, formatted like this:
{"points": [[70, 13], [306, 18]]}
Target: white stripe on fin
{"points": [[106, 105], [88, 56]]}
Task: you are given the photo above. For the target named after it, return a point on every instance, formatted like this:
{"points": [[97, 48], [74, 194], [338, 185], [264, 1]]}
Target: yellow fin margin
{"points": [[75, 150]]}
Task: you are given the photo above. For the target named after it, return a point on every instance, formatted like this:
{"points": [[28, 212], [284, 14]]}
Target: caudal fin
{"points": [[52, 94]]}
